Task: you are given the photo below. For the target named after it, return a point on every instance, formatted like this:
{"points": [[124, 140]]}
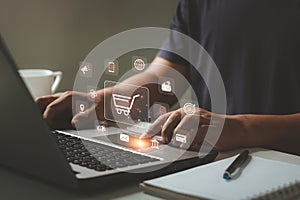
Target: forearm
{"points": [[150, 79], [278, 132]]}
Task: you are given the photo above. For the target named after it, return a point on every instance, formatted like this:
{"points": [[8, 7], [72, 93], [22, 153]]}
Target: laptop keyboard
{"points": [[97, 156]]}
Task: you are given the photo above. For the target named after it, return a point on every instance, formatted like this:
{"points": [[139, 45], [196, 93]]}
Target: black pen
{"points": [[235, 166]]}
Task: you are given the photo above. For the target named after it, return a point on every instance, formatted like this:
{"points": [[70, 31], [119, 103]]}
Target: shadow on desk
{"points": [[15, 185], [18, 186]]}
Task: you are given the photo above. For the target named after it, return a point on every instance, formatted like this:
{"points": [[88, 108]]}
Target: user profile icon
{"points": [[93, 93], [101, 128], [158, 109]]}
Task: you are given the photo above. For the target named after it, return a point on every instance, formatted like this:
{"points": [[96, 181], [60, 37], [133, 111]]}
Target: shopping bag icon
{"points": [[166, 86]]}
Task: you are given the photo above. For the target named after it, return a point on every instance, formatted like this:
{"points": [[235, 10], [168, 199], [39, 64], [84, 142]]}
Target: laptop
{"points": [[74, 159]]}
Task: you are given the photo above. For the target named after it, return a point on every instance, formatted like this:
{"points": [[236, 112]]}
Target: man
{"points": [[255, 45]]}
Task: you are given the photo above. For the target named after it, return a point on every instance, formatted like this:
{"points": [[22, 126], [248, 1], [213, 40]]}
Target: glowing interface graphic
{"points": [[166, 86], [158, 109], [180, 138], [124, 137], [101, 128], [119, 99], [189, 108], [81, 106], [86, 69], [93, 93], [129, 103], [139, 64], [140, 107], [154, 144], [112, 67]]}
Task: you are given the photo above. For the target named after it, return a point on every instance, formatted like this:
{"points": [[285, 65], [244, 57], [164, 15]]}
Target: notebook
{"points": [[261, 179]]}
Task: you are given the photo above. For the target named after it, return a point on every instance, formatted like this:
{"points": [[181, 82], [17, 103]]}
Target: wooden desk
{"points": [[16, 186]]}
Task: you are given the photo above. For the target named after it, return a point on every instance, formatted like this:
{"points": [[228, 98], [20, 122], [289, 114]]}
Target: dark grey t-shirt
{"points": [[255, 45]]}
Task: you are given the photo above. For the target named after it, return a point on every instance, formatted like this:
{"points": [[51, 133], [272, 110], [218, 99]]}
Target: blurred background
{"points": [[58, 34]]}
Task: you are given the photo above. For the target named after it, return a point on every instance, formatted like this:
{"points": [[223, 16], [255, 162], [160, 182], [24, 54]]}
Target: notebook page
{"points": [[259, 176]]}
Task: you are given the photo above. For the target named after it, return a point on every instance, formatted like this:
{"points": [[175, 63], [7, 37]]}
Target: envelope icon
{"points": [[124, 137]]}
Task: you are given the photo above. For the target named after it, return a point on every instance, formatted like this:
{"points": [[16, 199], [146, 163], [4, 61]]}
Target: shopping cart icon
{"points": [[124, 103]]}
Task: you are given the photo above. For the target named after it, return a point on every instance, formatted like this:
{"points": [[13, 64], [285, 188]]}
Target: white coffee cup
{"points": [[41, 82]]}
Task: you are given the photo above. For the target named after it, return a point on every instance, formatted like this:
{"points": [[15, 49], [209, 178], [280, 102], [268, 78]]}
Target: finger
{"points": [[102, 113], [169, 126], [189, 139], [193, 137], [85, 120], [156, 127], [186, 130], [188, 122], [61, 105], [44, 101], [182, 139]]}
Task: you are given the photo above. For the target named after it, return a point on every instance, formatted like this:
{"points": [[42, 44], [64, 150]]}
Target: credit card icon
{"points": [[180, 138], [124, 137]]}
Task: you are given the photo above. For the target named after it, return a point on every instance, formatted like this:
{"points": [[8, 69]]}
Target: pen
{"points": [[235, 166]]}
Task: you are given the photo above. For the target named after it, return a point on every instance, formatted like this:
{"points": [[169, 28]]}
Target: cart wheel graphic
{"points": [[126, 113], [117, 98], [119, 111]]}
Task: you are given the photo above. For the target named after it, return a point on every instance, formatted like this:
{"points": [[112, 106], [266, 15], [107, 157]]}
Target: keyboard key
{"points": [[78, 151]]}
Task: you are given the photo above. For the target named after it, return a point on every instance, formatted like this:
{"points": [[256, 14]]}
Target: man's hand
{"points": [[58, 112], [194, 127]]}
